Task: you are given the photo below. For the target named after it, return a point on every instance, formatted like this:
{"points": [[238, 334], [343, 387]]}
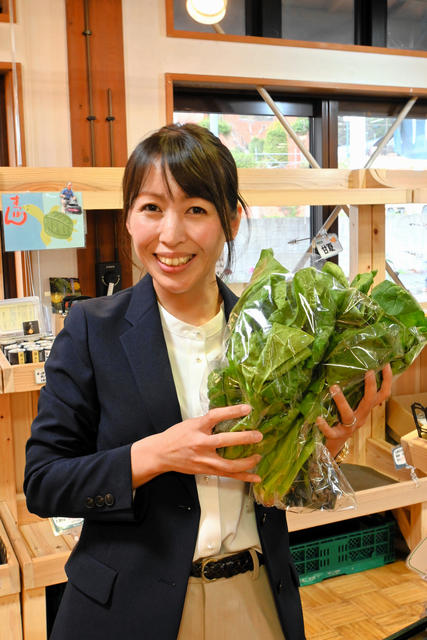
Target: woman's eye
{"points": [[150, 207], [197, 210]]}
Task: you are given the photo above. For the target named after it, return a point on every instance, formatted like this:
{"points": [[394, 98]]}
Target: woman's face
{"points": [[178, 239]]}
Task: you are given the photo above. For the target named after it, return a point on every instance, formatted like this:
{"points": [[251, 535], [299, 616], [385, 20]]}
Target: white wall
{"points": [[41, 48], [149, 54]]}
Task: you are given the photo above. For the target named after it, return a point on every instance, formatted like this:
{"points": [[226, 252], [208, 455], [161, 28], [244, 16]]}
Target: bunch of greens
{"points": [[290, 337]]}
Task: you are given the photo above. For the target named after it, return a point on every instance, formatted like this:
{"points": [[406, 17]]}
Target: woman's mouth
{"points": [[174, 262]]}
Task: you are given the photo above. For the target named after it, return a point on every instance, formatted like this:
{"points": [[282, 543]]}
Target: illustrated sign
{"points": [[33, 221]]}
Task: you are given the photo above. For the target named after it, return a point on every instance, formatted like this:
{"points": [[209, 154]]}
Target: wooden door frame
{"points": [[6, 70]]}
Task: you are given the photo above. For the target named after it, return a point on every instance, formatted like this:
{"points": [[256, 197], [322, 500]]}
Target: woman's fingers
{"points": [[385, 391], [351, 420], [369, 396], [214, 416], [239, 468], [233, 438], [346, 412], [331, 433]]}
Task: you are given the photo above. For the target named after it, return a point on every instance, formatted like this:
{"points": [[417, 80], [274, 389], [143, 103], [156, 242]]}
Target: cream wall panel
{"points": [[41, 48], [149, 54]]}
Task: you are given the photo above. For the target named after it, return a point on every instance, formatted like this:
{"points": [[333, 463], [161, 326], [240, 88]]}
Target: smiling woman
{"points": [[185, 207], [171, 532]]}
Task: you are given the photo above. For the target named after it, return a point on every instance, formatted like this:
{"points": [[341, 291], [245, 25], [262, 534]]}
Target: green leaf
{"points": [[398, 302], [364, 281]]}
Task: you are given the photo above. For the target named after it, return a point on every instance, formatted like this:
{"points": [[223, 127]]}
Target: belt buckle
{"points": [[205, 562]]}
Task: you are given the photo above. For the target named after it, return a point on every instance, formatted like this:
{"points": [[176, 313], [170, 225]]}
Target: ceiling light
{"points": [[207, 11]]}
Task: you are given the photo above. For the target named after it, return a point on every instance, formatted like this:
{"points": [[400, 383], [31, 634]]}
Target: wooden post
{"points": [[367, 253]]}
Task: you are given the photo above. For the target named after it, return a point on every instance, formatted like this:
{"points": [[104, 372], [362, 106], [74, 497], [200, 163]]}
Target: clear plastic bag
{"points": [[289, 338]]}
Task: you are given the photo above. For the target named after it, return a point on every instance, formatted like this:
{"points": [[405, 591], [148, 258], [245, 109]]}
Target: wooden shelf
{"points": [[393, 496], [10, 590], [41, 556], [20, 377], [101, 187]]}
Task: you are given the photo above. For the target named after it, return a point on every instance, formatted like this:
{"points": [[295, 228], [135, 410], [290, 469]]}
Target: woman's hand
{"points": [[351, 421], [190, 447]]}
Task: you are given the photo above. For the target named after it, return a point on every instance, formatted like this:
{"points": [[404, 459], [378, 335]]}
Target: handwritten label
{"points": [[40, 376]]}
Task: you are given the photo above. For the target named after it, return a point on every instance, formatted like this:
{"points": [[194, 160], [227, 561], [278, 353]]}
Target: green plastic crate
{"points": [[370, 547]]}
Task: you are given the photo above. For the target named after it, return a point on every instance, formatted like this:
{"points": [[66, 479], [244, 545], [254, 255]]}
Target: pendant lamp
{"points": [[207, 11]]}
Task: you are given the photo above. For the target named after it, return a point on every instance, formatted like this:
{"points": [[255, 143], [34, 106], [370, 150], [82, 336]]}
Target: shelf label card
{"points": [[40, 376], [399, 458]]}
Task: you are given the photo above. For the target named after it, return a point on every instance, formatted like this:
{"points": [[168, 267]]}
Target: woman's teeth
{"points": [[174, 262]]}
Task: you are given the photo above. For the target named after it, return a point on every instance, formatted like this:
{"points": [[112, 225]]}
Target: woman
{"points": [[120, 439]]}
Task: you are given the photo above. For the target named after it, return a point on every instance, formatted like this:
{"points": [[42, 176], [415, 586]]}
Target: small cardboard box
{"points": [[399, 416]]}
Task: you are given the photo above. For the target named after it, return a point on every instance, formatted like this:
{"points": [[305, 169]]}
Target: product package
{"points": [[289, 338], [60, 288]]}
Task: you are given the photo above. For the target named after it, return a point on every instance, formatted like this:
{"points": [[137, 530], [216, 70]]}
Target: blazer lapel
{"points": [[145, 348]]}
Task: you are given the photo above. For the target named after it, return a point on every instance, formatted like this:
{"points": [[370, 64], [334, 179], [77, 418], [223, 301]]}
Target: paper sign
{"points": [[328, 245], [33, 221]]}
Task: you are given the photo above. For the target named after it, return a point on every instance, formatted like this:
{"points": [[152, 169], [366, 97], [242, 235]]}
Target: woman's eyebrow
{"points": [[152, 194]]}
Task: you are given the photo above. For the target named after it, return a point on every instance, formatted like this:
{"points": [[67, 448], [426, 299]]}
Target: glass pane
{"points": [[255, 141], [406, 242], [318, 21], [261, 142], [406, 224], [271, 227], [407, 25], [359, 136], [309, 20]]}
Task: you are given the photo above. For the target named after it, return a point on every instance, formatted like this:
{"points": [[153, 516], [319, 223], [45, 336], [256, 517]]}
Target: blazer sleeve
{"points": [[65, 474]]}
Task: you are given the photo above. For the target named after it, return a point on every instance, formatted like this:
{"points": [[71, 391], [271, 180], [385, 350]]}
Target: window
{"points": [[354, 128]]}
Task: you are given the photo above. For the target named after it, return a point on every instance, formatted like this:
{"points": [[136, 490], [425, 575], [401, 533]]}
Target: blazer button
{"points": [[279, 586], [109, 500], [264, 518], [89, 503], [99, 501]]}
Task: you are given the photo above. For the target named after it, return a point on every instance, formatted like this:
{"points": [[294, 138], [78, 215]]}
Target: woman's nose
{"points": [[172, 230]]}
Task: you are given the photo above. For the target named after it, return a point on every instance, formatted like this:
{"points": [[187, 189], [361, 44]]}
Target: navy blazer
{"points": [[108, 384]]}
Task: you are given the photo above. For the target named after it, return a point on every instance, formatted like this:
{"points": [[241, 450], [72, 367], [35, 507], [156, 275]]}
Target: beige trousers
{"points": [[238, 608]]}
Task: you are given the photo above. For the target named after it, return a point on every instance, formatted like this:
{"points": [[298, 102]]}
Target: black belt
{"points": [[213, 569]]}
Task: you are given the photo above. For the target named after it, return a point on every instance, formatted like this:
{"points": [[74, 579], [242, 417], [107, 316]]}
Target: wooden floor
{"points": [[370, 605]]}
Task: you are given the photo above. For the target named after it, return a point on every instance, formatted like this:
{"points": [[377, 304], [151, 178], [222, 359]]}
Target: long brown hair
{"points": [[200, 164]]}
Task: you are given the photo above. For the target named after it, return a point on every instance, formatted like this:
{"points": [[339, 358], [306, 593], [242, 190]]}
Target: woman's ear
{"points": [[235, 222], [128, 225]]}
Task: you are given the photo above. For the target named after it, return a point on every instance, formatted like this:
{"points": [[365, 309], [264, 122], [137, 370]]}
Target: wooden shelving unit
{"points": [[10, 589], [41, 555]]}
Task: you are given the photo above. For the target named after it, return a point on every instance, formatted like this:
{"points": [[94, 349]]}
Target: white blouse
{"points": [[227, 521]]}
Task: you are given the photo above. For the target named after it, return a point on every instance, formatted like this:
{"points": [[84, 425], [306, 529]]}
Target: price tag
{"points": [[328, 245], [40, 376], [399, 457]]}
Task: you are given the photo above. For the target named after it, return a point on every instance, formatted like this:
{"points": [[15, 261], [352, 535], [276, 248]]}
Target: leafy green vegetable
{"points": [[290, 337]]}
